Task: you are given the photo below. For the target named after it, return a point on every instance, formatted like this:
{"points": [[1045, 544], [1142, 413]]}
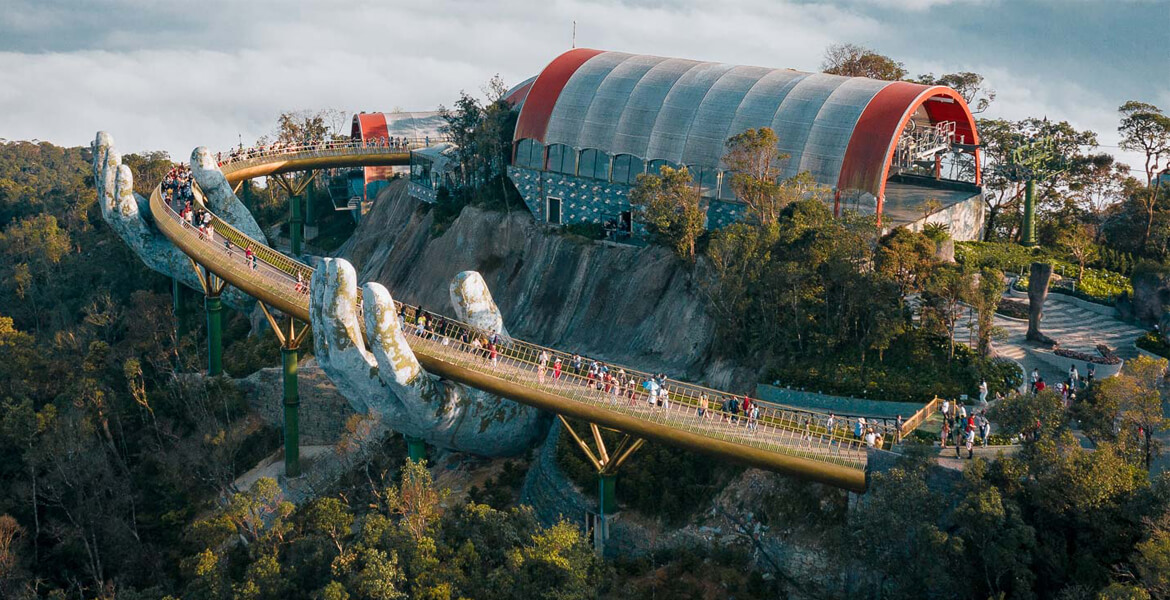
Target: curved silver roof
{"points": [[683, 111]]}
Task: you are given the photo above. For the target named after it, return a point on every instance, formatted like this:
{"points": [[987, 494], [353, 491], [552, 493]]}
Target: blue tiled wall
{"points": [[585, 200]]}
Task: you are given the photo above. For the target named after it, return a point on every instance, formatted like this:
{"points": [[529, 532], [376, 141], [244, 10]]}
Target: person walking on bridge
{"points": [[542, 366], [557, 369]]}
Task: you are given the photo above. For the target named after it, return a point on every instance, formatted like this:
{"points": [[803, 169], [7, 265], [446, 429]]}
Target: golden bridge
{"points": [[782, 439]]}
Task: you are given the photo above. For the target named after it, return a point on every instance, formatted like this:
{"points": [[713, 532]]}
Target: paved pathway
{"points": [[1074, 327]]}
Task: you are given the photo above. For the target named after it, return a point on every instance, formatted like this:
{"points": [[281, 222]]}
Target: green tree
{"points": [[415, 499], [670, 207], [947, 286], [969, 85], [1021, 413], [906, 257], [852, 60], [753, 158], [1127, 409], [1145, 129], [984, 296]]}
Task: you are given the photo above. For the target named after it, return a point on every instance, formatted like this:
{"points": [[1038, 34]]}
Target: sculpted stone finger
{"points": [[396, 361], [220, 198], [337, 337], [474, 305]]}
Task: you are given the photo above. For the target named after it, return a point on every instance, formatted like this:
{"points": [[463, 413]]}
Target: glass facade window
{"points": [[587, 168], [709, 183], [529, 154], [725, 191], [621, 168], [554, 158], [655, 166], [601, 166], [562, 159]]}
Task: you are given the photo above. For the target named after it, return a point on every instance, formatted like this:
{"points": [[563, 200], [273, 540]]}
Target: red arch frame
{"points": [[369, 125], [871, 146]]}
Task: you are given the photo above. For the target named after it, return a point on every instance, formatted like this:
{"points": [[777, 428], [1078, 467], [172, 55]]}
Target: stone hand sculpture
{"points": [[387, 379], [129, 214]]}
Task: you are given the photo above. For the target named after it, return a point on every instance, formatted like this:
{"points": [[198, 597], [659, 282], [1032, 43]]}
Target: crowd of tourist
{"points": [[176, 187], [961, 426], [633, 389]]}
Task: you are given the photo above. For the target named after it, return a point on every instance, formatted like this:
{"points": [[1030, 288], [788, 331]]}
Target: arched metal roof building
{"points": [[843, 130]]}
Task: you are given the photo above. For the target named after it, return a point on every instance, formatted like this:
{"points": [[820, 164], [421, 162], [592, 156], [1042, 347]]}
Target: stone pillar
{"points": [[214, 308], [292, 402], [1038, 277]]}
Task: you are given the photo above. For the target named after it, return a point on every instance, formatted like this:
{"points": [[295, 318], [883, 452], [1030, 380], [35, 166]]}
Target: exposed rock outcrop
{"points": [[639, 306]]}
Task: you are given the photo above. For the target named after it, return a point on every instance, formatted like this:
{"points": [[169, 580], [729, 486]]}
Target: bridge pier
{"points": [[292, 403], [212, 304], [296, 225], [606, 465], [310, 214], [290, 343], [296, 220], [416, 448]]}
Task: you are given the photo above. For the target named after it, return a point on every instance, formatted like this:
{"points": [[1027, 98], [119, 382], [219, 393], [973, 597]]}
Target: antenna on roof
{"points": [[574, 33]]}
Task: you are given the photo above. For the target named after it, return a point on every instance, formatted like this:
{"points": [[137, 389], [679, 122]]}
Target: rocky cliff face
{"points": [[635, 306]]}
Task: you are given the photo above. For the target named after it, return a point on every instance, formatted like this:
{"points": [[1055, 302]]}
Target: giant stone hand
{"points": [[128, 214], [387, 379]]}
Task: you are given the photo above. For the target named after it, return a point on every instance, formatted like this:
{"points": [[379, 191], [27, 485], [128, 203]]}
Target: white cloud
{"points": [[170, 76]]}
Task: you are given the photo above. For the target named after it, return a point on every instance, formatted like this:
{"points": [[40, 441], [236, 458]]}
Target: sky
{"points": [[163, 75]]}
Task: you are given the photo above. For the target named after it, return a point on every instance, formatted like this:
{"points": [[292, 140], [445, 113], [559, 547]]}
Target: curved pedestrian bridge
{"points": [[783, 439]]}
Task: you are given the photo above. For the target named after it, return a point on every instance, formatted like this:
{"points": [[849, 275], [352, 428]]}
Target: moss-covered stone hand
{"points": [[128, 213], [365, 351]]}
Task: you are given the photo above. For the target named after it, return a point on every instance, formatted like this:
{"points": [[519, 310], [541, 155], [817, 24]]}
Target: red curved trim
{"points": [[871, 146], [542, 97], [370, 125], [521, 93]]}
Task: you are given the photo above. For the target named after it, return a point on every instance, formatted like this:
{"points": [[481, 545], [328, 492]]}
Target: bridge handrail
{"points": [[232, 160]]}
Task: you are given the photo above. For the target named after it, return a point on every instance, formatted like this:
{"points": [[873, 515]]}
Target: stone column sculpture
{"points": [[1038, 278]]}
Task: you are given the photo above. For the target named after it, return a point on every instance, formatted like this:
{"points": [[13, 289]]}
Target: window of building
{"points": [[708, 183], [725, 191], [593, 163], [562, 159], [655, 166], [626, 169], [552, 212], [529, 154]]}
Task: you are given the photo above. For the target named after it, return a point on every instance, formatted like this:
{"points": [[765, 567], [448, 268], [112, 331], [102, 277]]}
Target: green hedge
{"points": [[1100, 286]]}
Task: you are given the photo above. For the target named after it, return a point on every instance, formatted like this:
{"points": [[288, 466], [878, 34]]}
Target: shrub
{"points": [[1013, 308], [1152, 342], [1112, 359]]}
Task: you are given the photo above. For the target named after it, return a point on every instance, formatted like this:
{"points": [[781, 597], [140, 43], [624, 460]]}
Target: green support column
{"points": [[1028, 235], [296, 225], [310, 214], [292, 402], [214, 308], [416, 448], [606, 500], [176, 298]]}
